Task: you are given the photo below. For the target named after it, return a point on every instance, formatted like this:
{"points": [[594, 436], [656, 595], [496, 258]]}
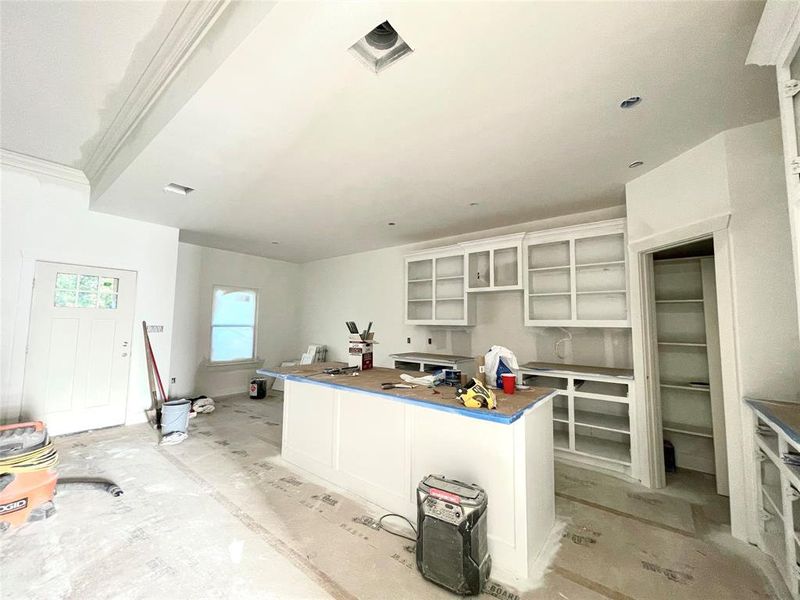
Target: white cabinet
{"points": [[577, 276], [494, 264], [592, 414], [435, 288]]}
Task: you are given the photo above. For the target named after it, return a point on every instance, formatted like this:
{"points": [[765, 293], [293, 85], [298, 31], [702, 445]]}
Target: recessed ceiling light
{"points": [[473, 204], [381, 47], [176, 188], [630, 102], [634, 164], [275, 243], [392, 223]]}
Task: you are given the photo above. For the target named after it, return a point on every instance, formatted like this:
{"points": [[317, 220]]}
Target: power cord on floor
{"points": [[405, 537]]}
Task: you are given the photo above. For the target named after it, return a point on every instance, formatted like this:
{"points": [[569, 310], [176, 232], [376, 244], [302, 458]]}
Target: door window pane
{"points": [[88, 283], [65, 299], [75, 290], [66, 281]]}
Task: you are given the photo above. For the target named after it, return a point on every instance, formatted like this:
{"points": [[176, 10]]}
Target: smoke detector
{"points": [[381, 47]]}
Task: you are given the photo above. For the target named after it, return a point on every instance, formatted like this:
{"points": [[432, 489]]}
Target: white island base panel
{"points": [[380, 448]]}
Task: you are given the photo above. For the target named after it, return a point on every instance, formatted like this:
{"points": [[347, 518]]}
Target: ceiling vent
{"points": [[381, 47], [177, 188]]}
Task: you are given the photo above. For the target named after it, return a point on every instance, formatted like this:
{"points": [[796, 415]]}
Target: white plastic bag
{"points": [[494, 357]]}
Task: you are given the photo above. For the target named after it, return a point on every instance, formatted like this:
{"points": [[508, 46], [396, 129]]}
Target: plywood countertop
{"points": [[509, 406], [785, 415]]}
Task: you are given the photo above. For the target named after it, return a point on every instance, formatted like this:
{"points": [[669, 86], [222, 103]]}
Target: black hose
{"points": [[90, 483]]}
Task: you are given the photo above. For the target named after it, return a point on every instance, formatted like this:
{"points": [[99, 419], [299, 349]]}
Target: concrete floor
{"points": [[222, 516]]}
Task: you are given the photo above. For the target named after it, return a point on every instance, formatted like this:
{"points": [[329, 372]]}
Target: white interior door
{"points": [[78, 356]]}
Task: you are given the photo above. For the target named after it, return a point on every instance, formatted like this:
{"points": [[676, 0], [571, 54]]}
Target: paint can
{"points": [[175, 416], [452, 377]]}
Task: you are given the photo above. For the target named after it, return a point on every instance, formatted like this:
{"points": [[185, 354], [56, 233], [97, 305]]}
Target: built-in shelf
{"points": [[601, 292], [681, 301], [449, 277], [617, 452], [606, 422], [543, 294], [591, 419], [602, 264], [684, 386], [686, 429], [686, 344], [419, 280], [420, 299], [540, 269], [448, 299]]}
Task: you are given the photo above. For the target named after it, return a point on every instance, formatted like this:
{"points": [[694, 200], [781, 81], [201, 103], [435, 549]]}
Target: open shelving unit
{"points": [[685, 332], [577, 277], [777, 496], [436, 288], [591, 416]]}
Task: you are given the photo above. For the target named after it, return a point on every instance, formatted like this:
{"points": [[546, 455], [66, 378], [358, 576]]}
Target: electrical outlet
{"points": [[172, 380], [408, 340], [430, 341]]}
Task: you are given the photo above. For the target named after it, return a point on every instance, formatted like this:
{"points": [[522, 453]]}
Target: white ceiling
{"points": [[68, 66], [510, 105]]}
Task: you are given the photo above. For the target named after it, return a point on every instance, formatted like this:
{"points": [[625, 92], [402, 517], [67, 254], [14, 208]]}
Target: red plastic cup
{"points": [[509, 383]]}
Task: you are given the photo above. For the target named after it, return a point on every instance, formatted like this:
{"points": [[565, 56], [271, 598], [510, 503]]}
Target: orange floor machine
{"points": [[27, 474]]}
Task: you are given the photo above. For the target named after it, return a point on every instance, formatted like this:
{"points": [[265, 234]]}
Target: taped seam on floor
{"points": [[591, 585], [277, 544], [620, 513]]}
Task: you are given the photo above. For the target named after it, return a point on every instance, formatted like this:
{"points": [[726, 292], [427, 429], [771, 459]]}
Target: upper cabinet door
{"points": [[494, 264], [577, 276]]}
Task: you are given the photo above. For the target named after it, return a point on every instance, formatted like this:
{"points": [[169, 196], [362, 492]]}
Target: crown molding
{"points": [[9, 158], [776, 35], [195, 20]]}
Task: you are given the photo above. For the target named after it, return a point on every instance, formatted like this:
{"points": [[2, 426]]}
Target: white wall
{"points": [[201, 268], [735, 178], [44, 218], [369, 287], [763, 278]]}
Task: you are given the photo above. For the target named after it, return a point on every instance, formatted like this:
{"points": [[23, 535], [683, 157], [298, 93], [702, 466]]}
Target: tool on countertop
{"points": [[393, 386], [476, 395], [339, 371], [351, 326]]}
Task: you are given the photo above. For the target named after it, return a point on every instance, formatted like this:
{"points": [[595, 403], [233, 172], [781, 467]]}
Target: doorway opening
{"points": [[688, 391]]}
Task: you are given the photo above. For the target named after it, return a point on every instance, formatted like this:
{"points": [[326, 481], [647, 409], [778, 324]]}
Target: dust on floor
{"points": [[222, 516]]}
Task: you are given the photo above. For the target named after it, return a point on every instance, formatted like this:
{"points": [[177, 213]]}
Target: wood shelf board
{"points": [[449, 277], [683, 386], [420, 299], [686, 429], [602, 292], [419, 280], [605, 449], [545, 294], [572, 370], [773, 495], [459, 299], [603, 421], [683, 344], [681, 301], [556, 268], [601, 264]]}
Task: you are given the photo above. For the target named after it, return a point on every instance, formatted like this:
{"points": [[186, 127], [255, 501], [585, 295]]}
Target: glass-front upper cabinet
{"points": [[494, 264]]}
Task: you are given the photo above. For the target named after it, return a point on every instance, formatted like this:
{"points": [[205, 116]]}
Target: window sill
{"points": [[234, 365]]}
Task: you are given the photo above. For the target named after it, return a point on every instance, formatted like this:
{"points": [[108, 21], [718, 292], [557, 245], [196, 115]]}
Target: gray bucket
{"points": [[175, 416]]}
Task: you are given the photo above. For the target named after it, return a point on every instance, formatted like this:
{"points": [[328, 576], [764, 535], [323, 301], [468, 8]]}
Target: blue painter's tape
{"points": [[472, 413], [763, 406]]}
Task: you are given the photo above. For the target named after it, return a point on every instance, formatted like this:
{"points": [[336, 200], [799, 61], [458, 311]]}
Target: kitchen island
{"points": [[380, 443]]}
